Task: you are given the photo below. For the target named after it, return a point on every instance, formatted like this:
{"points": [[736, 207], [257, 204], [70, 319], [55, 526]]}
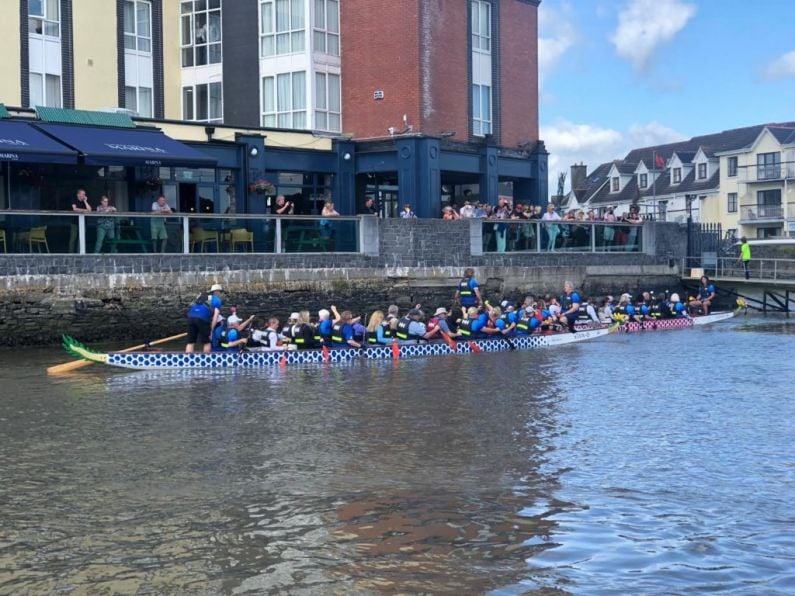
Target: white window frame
{"points": [[195, 91], [615, 184], [481, 32], [270, 34], [139, 38], [189, 46], [701, 170], [139, 101], [49, 24], [52, 100], [643, 180], [291, 116], [676, 175], [326, 39], [326, 117], [481, 124]]}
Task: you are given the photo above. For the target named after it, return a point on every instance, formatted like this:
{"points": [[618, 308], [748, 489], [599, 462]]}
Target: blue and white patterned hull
{"points": [[220, 360]]}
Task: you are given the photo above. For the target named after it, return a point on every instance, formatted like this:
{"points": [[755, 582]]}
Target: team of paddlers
{"points": [[475, 318]]}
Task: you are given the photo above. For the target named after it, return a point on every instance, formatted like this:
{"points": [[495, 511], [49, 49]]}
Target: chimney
{"points": [[579, 172]]}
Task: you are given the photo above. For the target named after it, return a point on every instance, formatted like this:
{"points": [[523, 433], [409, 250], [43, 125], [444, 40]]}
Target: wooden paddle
{"points": [[75, 364]]}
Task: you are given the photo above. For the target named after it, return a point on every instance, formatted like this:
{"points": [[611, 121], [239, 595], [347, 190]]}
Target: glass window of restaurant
{"points": [[199, 190], [308, 191]]}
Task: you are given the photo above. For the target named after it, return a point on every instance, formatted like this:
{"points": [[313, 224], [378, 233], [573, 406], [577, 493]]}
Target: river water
{"points": [[644, 463]]}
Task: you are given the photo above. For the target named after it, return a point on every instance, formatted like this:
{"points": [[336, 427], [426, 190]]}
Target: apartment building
{"points": [[430, 98], [741, 178]]}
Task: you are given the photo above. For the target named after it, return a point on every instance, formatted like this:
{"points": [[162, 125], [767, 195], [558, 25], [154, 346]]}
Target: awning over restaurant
{"points": [[105, 146], [19, 141]]}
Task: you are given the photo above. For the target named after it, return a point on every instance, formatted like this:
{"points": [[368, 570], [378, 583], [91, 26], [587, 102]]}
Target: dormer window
{"points": [[702, 171], [643, 180], [614, 185], [676, 175]]}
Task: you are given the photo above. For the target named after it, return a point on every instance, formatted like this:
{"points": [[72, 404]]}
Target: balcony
{"points": [[761, 214], [767, 173]]}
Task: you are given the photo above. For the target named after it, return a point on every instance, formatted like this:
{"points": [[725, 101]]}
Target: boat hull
{"points": [[677, 323], [221, 360]]}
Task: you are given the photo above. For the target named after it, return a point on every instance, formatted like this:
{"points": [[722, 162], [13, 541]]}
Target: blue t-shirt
{"points": [[325, 327], [480, 322]]}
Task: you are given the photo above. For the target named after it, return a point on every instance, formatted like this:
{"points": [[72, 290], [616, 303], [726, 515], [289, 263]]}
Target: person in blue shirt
{"points": [[342, 331], [203, 316], [705, 297], [570, 303], [468, 293], [324, 326]]}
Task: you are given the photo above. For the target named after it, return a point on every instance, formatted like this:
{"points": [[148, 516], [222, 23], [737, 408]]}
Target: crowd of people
{"points": [[471, 317]]}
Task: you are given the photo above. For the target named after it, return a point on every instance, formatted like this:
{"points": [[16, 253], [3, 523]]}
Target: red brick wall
{"points": [[446, 106], [519, 72], [380, 50]]}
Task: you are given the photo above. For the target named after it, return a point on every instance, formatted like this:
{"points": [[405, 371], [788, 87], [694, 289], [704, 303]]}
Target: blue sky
{"points": [[620, 74]]}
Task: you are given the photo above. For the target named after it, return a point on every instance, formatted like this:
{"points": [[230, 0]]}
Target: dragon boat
{"points": [[255, 359], [652, 324]]}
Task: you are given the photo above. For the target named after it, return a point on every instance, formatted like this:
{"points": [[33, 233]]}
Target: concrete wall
{"points": [[96, 68], [145, 296], [10, 86]]}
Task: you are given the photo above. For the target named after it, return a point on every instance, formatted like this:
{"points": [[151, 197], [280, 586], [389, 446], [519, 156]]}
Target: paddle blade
{"points": [[474, 347], [450, 342], [283, 361], [325, 354], [395, 351]]}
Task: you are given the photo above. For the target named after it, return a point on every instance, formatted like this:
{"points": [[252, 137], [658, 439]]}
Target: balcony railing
{"points": [[781, 270], [766, 173], [72, 233], [510, 236], [761, 212]]}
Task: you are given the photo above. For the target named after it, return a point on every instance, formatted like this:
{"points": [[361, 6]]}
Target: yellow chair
{"points": [[35, 236], [241, 236], [203, 238], [3, 238]]}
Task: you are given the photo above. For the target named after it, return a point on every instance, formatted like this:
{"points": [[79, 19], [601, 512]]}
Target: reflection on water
{"points": [[641, 463]]}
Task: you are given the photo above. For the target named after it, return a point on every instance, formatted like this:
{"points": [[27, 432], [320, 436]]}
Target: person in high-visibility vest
{"points": [[745, 256]]}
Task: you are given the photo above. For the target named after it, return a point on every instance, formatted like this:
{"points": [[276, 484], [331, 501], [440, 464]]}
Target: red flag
{"points": [[659, 161]]}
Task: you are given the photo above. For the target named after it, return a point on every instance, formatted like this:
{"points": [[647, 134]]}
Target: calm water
{"points": [[631, 464]]}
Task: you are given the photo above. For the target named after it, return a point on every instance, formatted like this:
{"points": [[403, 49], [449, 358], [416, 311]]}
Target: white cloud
{"points": [[644, 25], [569, 143], [782, 67], [556, 35]]}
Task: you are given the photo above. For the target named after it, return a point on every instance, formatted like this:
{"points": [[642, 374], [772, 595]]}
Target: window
{"points": [[614, 184], [643, 181], [138, 25], [327, 27], [481, 25], [732, 202], [677, 175], [481, 110], [45, 90], [44, 18], [327, 102], [732, 166], [284, 100], [702, 171], [768, 166], [139, 100], [281, 27], [203, 103], [201, 32]]}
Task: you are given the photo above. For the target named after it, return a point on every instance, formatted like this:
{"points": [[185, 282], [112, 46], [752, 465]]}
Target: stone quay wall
{"points": [[145, 297]]}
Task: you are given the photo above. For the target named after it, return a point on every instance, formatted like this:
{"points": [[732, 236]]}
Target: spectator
{"points": [[552, 228], [407, 213], [448, 213], [467, 211], [369, 207], [106, 226], [157, 226], [326, 230]]}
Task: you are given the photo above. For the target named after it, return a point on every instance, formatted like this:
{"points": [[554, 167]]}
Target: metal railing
{"points": [[762, 173], [510, 236], [137, 233], [781, 270], [754, 212]]}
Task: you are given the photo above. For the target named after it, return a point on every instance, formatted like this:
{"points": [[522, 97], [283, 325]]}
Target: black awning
{"points": [[107, 146]]}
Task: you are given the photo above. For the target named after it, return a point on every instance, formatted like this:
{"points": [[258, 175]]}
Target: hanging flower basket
{"points": [[262, 186]]}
